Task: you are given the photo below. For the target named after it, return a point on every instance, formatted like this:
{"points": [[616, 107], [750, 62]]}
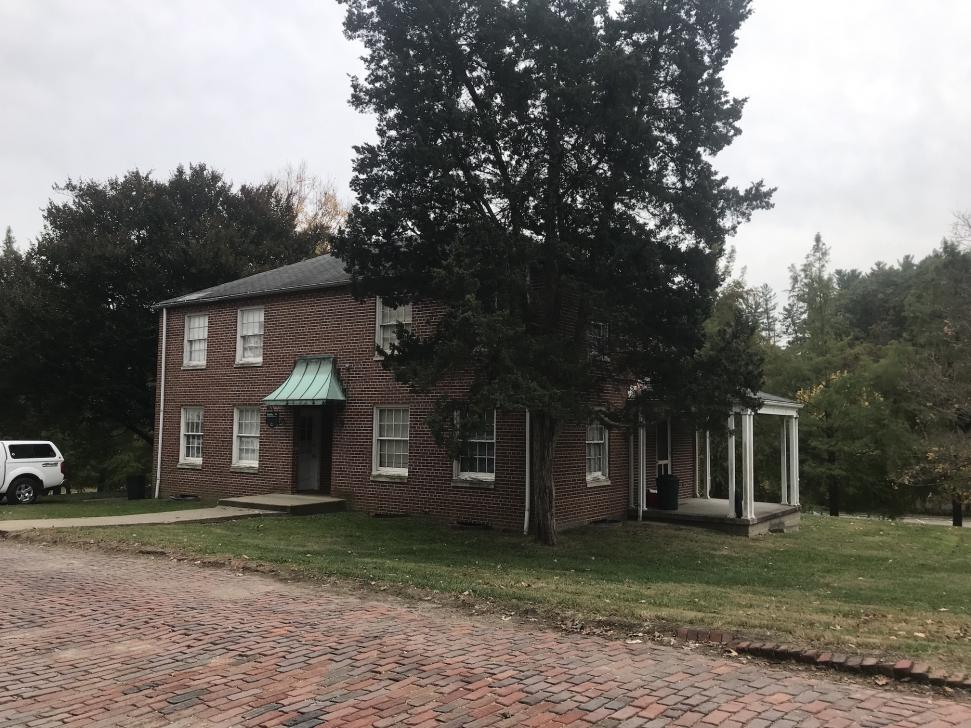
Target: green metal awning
{"points": [[313, 381]]}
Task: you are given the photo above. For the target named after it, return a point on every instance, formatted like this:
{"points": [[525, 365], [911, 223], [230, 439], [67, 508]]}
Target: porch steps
{"points": [[290, 503]]}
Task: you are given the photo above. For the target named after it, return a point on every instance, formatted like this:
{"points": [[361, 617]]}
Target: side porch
{"points": [[739, 513]]}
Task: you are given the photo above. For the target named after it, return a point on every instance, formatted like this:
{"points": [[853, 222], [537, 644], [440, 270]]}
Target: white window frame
{"points": [[376, 468], [252, 361], [237, 436], [598, 344], [597, 476], [379, 325], [186, 363], [183, 459], [663, 466], [472, 475]]}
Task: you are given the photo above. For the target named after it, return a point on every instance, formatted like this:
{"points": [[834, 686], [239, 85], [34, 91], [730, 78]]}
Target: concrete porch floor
{"points": [[713, 513], [294, 504]]}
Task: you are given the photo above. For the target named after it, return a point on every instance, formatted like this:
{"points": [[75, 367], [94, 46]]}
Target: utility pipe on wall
{"points": [[528, 494], [161, 403]]}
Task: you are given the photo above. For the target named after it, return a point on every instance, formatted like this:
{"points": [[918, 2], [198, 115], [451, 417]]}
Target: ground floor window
{"points": [[478, 458], [596, 451], [191, 449], [246, 436], [390, 456]]}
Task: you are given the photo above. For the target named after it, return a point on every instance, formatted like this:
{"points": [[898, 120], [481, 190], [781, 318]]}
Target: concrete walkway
{"points": [[195, 515]]}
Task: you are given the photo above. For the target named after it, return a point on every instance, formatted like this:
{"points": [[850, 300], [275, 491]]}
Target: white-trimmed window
{"points": [[478, 459], [386, 323], [597, 446], [662, 445], [191, 447], [390, 454], [249, 335], [246, 436], [196, 340], [598, 339]]}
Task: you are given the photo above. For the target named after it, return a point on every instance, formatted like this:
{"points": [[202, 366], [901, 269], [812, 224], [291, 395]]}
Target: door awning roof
{"points": [[313, 381]]}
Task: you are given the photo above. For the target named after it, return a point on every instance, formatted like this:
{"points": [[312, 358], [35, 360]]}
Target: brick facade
{"points": [[330, 321]]}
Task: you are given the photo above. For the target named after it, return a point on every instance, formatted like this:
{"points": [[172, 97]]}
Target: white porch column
{"points": [[784, 461], [641, 470], [707, 464], [748, 468], [731, 466], [697, 490], [794, 460]]}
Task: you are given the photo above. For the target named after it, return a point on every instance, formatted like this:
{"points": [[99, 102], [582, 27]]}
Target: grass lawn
{"points": [[78, 505], [865, 586]]}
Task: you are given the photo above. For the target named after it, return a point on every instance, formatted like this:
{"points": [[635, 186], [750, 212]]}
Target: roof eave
{"points": [[178, 302]]}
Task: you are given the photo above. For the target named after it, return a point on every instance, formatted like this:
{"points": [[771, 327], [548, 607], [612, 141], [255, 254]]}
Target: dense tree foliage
{"points": [[541, 168], [882, 362], [76, 318]]}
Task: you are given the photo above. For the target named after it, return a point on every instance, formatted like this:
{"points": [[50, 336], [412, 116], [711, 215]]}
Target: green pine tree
{"points": [[541, 167]]}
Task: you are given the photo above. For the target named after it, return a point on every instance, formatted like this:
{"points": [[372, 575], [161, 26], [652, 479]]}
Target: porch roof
{"points": [[313, 381]]}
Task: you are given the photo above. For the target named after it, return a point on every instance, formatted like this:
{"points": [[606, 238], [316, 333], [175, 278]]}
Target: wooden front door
{"points": [[308, 445]]}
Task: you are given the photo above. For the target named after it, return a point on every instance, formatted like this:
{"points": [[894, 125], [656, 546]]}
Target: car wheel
{"points": [[22, 491]]}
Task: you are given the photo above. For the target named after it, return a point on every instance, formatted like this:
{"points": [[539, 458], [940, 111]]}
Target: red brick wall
{"points": [[330, 321]]}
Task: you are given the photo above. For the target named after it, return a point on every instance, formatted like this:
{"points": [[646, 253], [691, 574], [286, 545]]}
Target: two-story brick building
{"points": [[271, 383]]}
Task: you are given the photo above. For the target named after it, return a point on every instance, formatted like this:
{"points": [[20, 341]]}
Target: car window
{"points": [[31, 450]]}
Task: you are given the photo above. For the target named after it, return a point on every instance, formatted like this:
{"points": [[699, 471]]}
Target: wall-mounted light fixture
{"points": [[274, 418]]}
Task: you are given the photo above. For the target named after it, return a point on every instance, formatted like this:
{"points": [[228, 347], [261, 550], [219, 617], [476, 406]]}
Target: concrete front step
{"points": [[291, 503]]}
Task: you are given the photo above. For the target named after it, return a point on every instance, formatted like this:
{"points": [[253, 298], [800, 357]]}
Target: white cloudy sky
{"points": [[859, 111]]}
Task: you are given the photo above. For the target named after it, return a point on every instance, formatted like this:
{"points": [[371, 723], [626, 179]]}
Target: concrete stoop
{"points": [[290, 503]]}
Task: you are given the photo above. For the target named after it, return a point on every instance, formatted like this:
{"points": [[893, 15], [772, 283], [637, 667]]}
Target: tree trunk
{"points": [[957, 512], [834, 497], [543, 436], [834, 485]]}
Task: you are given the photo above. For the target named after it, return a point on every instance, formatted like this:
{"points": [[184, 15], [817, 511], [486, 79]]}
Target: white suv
{"points": [[29, 468]]}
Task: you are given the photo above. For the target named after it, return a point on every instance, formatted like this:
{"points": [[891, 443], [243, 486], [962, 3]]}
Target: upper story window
{"points": [[196, 340], [249, 336], [478, 459], [190, 450], [598, 338], [597, 445], [246, 436], [390, 453], [387, 321]]}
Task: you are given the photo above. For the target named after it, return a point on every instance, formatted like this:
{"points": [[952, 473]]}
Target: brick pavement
{"points": [[104, 640]]}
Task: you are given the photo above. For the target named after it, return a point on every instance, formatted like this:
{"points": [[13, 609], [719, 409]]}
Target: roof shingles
{"points": [[322, 271]]}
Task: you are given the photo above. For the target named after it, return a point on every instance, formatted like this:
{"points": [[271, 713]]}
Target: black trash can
{"points": [[667, 492], [135, 485]]}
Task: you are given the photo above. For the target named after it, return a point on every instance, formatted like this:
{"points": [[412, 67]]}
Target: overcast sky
{"points": [[859, 112]]}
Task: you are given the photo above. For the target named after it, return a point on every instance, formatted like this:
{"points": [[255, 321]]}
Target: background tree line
{"points": [[881, 361], [78, 331]]}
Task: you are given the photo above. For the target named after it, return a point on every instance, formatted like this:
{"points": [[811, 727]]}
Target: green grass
{"points": [[864, 586], [79, 505]]}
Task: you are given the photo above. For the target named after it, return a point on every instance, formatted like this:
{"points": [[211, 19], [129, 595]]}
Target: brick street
{"points": [[105, 640]]}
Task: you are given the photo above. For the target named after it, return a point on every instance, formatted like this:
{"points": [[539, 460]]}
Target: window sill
{"points": [[189, 466], [193, 366], [597, 481], [389, 477], [474, 481], [244, 364], [244, 469]]}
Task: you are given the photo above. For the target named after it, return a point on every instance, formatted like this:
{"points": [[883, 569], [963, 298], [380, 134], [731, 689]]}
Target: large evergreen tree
{"points": [[541, 166], [76, 311]]}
